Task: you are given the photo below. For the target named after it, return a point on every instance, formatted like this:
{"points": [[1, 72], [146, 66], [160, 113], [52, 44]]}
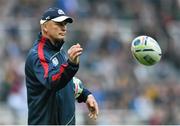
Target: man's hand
{"points": [[74, 52], [92, 106]]}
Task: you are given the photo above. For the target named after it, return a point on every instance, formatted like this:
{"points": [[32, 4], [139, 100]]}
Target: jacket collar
{"points": [[48, 43]]}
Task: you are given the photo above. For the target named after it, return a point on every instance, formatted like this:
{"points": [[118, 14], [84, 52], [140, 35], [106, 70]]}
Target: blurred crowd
{"points": [[105, 29]]}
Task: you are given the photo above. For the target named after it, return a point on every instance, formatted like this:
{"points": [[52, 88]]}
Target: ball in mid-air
{"points": [[146, 50]]}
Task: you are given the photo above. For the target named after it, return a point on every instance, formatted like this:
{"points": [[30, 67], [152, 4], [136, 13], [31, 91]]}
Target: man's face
{"points": [[56, 30]]}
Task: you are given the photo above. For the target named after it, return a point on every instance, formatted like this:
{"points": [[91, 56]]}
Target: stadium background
{"points": [[127, 93]]}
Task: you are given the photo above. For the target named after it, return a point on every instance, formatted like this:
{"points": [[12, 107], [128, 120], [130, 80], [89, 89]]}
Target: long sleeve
{"points": [[50, 76], [81, 93]]}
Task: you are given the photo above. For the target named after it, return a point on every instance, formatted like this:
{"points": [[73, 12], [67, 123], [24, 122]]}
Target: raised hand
{"points": [[74, 52]]}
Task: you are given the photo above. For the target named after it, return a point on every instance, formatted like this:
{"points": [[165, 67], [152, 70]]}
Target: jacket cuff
{"points": [[83, 96], [72, 64]]}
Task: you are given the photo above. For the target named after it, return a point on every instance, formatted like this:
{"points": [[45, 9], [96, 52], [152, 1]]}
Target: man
{"points": [[51, 85]]}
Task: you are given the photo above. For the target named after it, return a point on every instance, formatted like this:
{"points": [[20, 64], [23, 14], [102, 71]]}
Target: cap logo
{"points": [[60, 12], [47, 18]]}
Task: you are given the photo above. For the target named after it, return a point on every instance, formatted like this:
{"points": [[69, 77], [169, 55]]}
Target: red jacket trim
{"points": [[42, 57]]}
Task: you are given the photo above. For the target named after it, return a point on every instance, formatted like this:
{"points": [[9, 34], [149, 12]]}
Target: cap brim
{"points": [[42, 21], [63, 18]]}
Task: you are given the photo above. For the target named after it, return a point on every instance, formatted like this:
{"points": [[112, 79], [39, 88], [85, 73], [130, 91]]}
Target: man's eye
{"points": [[61, 24]]}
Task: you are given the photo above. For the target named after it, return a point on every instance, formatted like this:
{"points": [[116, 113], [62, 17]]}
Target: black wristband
{"points": [[83, 96]]}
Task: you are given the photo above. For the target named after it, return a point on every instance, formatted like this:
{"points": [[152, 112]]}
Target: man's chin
{"points": [[59, 40]]}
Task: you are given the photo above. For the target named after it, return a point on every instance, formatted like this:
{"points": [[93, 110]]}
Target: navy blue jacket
{"points": [[50, 89]]}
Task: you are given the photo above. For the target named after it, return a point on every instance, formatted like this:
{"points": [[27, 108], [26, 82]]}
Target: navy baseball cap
{"points": [[56, 15]]}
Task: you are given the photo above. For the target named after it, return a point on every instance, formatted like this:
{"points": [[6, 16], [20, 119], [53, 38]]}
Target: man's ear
{"points": [[45, 28]]}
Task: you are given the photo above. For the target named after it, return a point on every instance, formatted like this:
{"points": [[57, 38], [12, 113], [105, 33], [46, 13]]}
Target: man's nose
{"points": [[63, 27]]}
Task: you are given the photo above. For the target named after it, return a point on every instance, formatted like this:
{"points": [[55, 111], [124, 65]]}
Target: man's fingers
{"points": [[74, 52], [95, 116], [93, 107], [74, 56], [94, 111], [96, 108], [75, 46], [92, 115]]}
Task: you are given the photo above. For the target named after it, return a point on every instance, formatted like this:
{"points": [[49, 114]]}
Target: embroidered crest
{"points": [[55, 61]]}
